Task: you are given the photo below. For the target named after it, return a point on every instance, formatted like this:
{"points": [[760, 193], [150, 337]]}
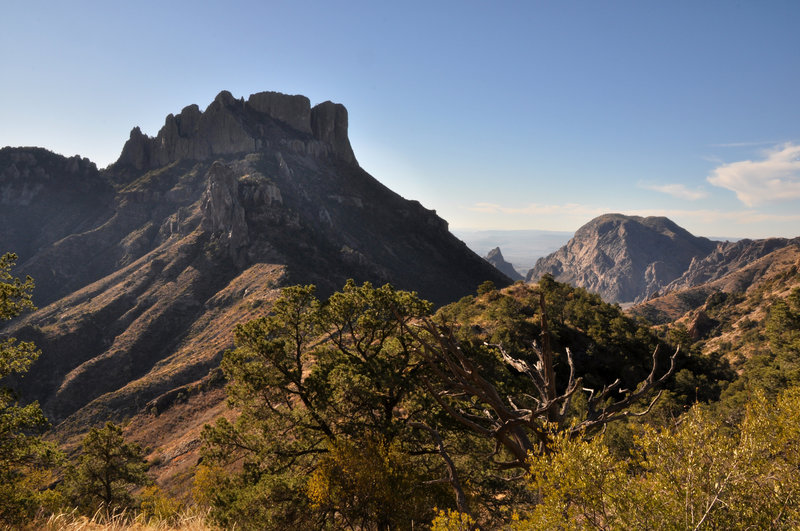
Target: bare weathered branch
{"points": [[520, 430]]}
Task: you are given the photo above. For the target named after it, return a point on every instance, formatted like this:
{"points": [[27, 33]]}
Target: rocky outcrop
{"points": [[294, 111], [229, 126], [329, 125], [624, 258], [752, 284], [701, 325], [223, 215], [495, 257]]}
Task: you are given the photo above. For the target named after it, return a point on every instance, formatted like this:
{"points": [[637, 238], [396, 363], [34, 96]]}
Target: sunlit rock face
{"points": [[624, 258]]}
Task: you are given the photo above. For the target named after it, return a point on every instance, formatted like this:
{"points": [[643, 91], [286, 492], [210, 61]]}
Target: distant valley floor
{"points": [[520, 247]]}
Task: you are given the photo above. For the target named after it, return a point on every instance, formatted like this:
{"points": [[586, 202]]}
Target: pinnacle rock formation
{"points": [[495, 257]]}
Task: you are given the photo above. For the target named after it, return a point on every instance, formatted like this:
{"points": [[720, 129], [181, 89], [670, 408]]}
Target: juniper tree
{"points": [[108, 469], [24, 457]]}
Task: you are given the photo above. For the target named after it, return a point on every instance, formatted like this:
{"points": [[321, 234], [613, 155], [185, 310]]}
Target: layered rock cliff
{"points": [[733, 268], [266, 120], [46, 197]]}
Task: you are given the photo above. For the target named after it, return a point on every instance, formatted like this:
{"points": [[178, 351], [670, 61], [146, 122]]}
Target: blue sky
{"points": [[499, 115]]}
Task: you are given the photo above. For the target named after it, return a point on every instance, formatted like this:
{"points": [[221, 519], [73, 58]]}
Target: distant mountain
{"points": [[520, 247], [143, 269], [624, 258], [495, 257]]}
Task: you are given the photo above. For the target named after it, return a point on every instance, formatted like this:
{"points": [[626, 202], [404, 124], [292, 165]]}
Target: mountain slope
{"points": [[736, 269], [195, 230], [45, 197], [623, 258]]}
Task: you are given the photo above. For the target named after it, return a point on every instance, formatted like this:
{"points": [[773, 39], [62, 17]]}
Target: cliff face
{"points": [[727, 311], [624, 258], [266, 120], [145, 269]]}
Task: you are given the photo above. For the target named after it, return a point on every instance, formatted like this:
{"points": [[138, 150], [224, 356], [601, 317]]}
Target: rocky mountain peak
{"points": [[329, 124], [495, 254], [143, 269], [624, 258], [229, 126]]}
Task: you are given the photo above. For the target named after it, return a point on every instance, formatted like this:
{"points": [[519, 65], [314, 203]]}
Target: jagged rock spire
{"points": [[495, 257]]}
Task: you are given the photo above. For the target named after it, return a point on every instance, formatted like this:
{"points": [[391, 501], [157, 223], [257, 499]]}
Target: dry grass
{"points": [[118, 521]]}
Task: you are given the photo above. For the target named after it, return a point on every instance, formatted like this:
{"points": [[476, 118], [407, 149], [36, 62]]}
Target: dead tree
{"points": [[475, 402]]}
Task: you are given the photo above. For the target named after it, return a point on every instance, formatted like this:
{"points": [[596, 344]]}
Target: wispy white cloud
{"points": [[676, 190], [743, 144], [538, 209], [775, 178]]}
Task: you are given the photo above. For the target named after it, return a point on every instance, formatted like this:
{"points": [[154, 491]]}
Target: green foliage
{"points": [[693, 298], [340, 407], [698, 474], [324, 392], [783, 333], [775, 365], [158, 506], [15, 295], [606, 344], [25, 460], [107, 471], [574, 484], [486, 287]]}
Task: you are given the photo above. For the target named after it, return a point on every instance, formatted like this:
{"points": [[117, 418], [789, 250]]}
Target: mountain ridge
{"points": [[197, 229], [630, 259]]}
